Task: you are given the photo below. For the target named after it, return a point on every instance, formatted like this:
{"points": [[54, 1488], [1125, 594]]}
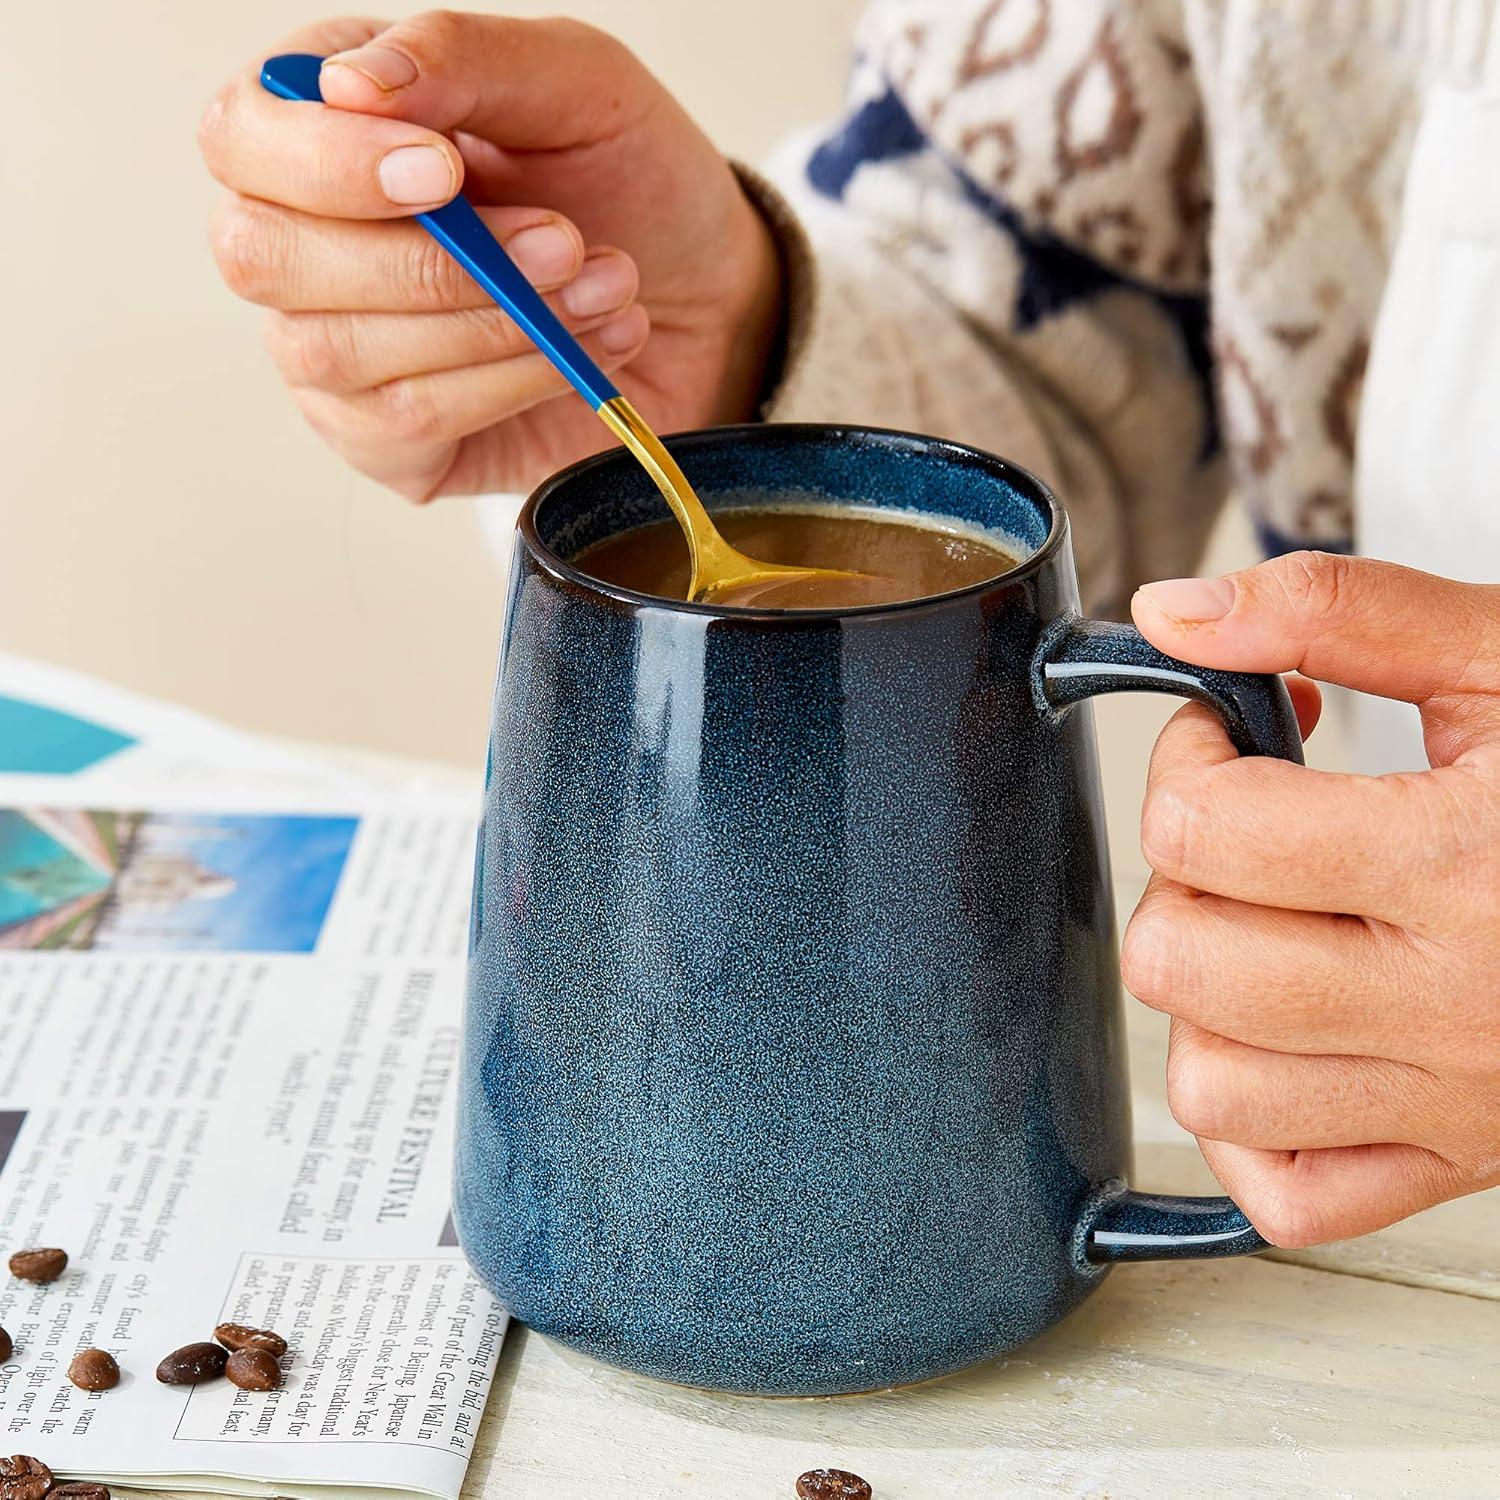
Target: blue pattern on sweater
{"points": [[1054, 275], [876, 131], [1274, 543]]}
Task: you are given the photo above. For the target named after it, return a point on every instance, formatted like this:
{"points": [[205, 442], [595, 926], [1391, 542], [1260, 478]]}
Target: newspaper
{"points": [[229, 1034], [59, 723]]}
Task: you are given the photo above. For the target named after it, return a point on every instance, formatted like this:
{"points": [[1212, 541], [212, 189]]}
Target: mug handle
{"points": [[1078, 659]]}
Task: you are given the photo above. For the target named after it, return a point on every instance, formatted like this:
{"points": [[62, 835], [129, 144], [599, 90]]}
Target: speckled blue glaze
{"points": [[793, 1060]]}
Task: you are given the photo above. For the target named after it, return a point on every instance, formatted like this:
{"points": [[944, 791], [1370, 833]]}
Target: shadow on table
{"points": [[1226, 1355]]}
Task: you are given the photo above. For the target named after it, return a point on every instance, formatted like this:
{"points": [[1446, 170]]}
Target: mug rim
{"points": [[1002, 468]]}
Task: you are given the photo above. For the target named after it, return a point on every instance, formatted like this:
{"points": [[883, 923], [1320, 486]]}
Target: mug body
{"points": [[793, 1045]]}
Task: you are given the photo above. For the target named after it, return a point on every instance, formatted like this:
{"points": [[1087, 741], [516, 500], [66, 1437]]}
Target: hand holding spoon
{"points": [[716, 566]]}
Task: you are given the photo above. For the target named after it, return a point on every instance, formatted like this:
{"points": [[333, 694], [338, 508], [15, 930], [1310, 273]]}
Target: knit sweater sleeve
{"points": [[1003, 242]]}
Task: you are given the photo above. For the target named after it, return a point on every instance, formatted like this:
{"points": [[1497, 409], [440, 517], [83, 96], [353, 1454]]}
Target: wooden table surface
{"points": [[1364, 1369]]}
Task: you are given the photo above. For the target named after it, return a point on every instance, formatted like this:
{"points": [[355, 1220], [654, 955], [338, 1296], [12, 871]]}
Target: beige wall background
{"points": [[165, 519]]}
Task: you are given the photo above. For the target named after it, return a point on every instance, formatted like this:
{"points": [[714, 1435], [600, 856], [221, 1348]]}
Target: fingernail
{"points": [[545, 254], [416, 174], [386, 68], [622, 334], [603, 284], [1191, 600]]}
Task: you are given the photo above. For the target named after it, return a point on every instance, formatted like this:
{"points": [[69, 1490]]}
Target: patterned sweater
{"points": [[1137, 245]]}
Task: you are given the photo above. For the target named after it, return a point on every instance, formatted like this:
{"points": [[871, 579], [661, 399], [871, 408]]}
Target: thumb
{"points": [[1371, 626], [525, 85]]}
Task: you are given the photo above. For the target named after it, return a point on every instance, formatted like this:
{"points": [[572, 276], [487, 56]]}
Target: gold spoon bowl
{"points": [[715, 568]]}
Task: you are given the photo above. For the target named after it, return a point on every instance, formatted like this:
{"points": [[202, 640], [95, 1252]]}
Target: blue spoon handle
{"points": [[462, 233]]}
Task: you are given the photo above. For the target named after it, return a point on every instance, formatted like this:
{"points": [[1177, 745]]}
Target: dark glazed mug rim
{"points": [[1002, 469]]}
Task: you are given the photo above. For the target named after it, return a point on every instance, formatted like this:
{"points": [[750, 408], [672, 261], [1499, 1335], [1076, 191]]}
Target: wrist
{"points": [[757, 327]]}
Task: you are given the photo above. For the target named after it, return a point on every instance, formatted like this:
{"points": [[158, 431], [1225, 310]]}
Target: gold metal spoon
{"points": [[716, 567]]}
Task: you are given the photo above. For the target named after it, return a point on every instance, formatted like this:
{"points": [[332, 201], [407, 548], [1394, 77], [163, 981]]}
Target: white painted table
{"points": [[1366, 1369]]}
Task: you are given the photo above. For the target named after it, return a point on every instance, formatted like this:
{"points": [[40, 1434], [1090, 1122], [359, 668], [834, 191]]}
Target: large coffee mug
{"points": [[794, 1060]]}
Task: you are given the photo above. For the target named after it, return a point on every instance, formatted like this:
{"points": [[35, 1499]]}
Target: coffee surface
{"points": [[899, 560]]}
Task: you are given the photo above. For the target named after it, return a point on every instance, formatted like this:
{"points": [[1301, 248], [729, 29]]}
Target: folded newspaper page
{"points": [[228, 1044], [60, 723]]}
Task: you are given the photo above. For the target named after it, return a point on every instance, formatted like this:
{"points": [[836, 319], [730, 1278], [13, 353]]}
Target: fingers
{"points": [[378, 148], [347, 352], [302, 263], [320, 160], [1307, 702], [1223, 1090], [1290, 981], [1271, 833], [405, 433], [324, 161], [525, 85], [1370, 625], [1300, 1198]]}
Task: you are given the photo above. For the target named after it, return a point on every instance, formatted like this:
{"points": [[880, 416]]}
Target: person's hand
{"points": [[1328, 946], [600, 186]]}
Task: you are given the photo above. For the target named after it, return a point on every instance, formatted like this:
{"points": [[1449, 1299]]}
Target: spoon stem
{"points": [[708, 553]]}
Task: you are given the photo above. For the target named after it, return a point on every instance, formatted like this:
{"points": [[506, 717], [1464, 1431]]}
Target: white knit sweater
{"points": [[1137, 245]]}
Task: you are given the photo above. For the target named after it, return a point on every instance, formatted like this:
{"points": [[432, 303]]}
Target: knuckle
{"points": [[1466, 1139], [1170, 823], [325, 418], [213, 128], [409, 414], [435, 274], [617, 85], [1466, 808], [1289, 1218], [442, 31], [416, 492], [1194, 1095], [605, 46], [1152, 957], [244, 248], [279, 340], [492, 333], [1316, 584], [310, 349]]}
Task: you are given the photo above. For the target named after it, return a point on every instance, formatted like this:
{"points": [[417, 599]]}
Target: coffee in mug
{"points": [[895, 556]]}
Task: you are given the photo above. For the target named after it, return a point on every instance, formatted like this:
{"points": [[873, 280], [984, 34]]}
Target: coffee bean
{"points": [[832, 1484], [192, 1365], [237, 1336], [94, 1370], [40, 1266], [253, 1370], [23, 1478], [7, 1348], [79, 1489]]}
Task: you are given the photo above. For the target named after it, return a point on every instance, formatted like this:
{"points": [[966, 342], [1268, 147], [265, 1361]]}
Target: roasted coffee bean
{"points": [[253, 1370], [237, 1336], [832, 1484], [24, 1478], [7, 1348], [79, 1489], [192, 1365], [94, 1370], [40, 1266]]}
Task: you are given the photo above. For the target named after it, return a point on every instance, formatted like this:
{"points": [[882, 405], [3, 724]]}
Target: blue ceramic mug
{"points": [[794, 1061]]}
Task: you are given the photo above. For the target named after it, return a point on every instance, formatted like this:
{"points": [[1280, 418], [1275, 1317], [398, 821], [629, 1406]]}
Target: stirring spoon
{"points": [[715, 565]]}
